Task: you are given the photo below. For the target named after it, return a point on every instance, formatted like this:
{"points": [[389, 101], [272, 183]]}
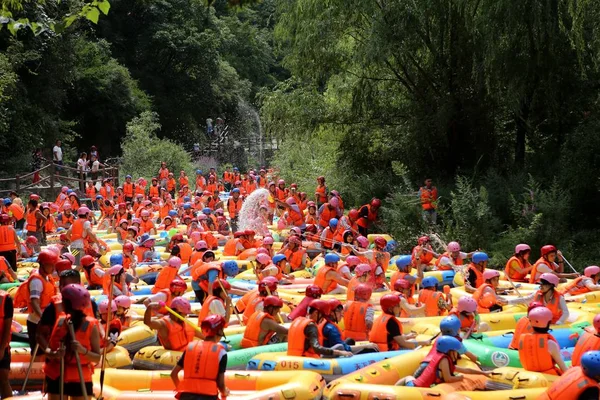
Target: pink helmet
{"points": [[453, 246], [77, 295], [467, 304], [540, 317], [334, 201], [522, 248], [280, 182], [201, 245], [175, 262], [182, 305], [195, 236], [362, 242], [67, 206], [263, 259], [144, 213], [591, 271], [268, 240], [362, 269], [123, 301], [262, 250], [103, 306], [291, 201], [550, 278], [352, 260], [83, 211], [490, 274]]}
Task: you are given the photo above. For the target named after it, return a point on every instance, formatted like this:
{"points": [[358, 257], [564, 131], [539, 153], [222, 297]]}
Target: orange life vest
{"points": [[588, 341], [355, 326], [230, 248], [205, 310], [379, 333], [253, 331], [472, 269], [128, 189], [534, 354], [456, 261], [466, 322], [321, 192], [575, 287], [328, 239], [297, 339], [363, 222], [185, 252], [163, 173], [430, 375], [245, 300], [512, 273], [49, 290], [82, 335], [478, 297], [321, 279], [201, 368], [430, 298], [426, 256], [553, 305], [354, 282], [7, 238], [533, 275], [17, 211], [77, 229], [93, 279], [227, 177], [251, 308], [569, 386], [325, 216], [234, 207], [31, 221], [428, 196], [295, 218], [164, 279], [295, 258], [178, 335], [523, 326]]}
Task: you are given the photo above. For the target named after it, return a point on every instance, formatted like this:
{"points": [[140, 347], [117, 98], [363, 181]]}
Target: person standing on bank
{"points": [[57, 155], [428, 195]]}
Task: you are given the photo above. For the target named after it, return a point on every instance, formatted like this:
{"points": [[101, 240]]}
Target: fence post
{"points": [[52, 177], [17, 183]]}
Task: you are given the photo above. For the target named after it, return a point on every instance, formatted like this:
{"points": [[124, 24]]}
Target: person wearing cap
{"points": [[9, 241], [79, 232], [203, 383]]}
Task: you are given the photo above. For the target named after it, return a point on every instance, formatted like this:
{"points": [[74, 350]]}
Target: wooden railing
{"points": [[55, 176]]}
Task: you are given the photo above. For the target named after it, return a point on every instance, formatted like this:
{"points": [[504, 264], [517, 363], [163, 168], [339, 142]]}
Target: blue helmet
{"points": [[479, 256], [7, 201], [235, 190], [429, 281], [116, 259], [277, 258], [206, 210], [450, 325], [172, 213], [186, 198], [403, 261], [333, 222], [235, 169], [187, 206], [390, 246], [198, 172], [331, 258], [70, 191], [590, 363], [99, 197], [446, 344], [230, 268], [128, 176]]}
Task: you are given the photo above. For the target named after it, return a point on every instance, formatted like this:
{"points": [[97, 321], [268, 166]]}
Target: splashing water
{"points": [[250, 217]]}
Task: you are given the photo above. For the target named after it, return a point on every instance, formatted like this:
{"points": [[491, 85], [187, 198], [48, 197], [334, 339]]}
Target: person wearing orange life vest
{"points": [[362, 274], [172, 333], [485, 295], [306, 339], [523, 326], [219, 303], [584, 284], [203, 363], [387, 330], [263, 327], [171, 184], [167, 274], [428, 196], [588, 341], [518, 266], [311, 216], [550, 297], [233, 247], [328, 279], [94, 274], [539, 351], [332, 333], [321, 192], [293, 216], [266, 287], [434, 301], [345, 269], [35, 220], [466, 312], [440, 365], [126, 317], [405, 289], [114, 325], [367, 215], [234, 205], [422, 254], [475, 270], [328, 235], [86, 342], [579, 382], [452, 257], [551, 262], [9, 241], [183, 180], [359, 314], [295, 254], [79, 232]]}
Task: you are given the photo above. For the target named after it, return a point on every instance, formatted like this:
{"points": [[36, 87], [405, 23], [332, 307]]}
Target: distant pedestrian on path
{"points": [[428, 195], [57, 155]]}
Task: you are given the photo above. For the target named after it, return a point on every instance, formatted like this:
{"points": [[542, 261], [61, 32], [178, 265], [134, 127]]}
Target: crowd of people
{"points": [[195, 220]]}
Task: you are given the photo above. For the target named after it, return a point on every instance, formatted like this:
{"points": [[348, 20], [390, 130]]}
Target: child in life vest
{"points": [[440, 366], [172, 332], [578, 383], [584, 284], [123, 313], [359, 315], [434, 301], [114, 326], [263, 326], [405, 290], [209, 382], [450, 326], [550, 297], [589, 340], [312, 292], [363, 274], [466, 311], [523, 326], [332, 333], [518, 266], [328, 279], [485, 295], [539, 351]]}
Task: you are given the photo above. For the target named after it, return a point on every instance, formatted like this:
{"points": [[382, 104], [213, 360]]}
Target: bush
{"points": [[143, 150]]}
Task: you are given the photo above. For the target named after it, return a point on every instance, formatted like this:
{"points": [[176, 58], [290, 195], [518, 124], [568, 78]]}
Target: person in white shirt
{"points": [[57, 155], [82, 170]]}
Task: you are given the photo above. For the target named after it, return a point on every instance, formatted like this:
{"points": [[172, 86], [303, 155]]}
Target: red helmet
{"points": [[4, 219], [320, 305], [363, 292], [31, 240], [78, 297], [213, 325], [334, 304], [221, 282], [376, 203], [352, 261], [269, 282], [62, 265], [423, 239], [182, 305], [548, 249], [540, 317], [122, 205], [178, 236], [388, 302], [294, 240], [47, 257], [401, 284], [311, 228], [272, 301], [128, 246], [380, 242], [534, 304], [596, 323], [353, 214], [313, 291], [87, 261], [177, 285]]}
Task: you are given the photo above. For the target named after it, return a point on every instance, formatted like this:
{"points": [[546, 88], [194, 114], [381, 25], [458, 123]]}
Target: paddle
{"points": [[234, 309], [113, 272], [178, 316], [279, 315], [35, 350]]}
